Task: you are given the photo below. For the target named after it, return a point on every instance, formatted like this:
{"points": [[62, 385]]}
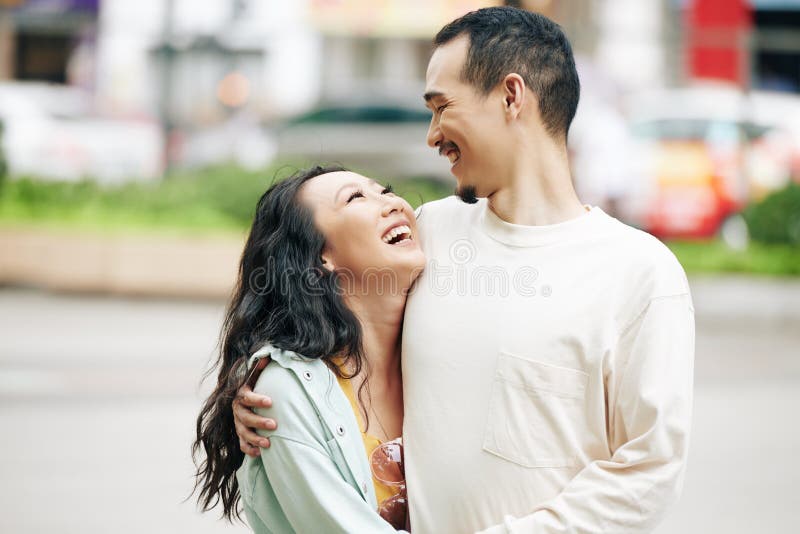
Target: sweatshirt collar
{"points": [[518, 235]]}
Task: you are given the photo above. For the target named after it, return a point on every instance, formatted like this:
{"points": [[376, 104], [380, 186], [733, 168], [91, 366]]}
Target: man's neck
{"points": [[539, 191]]}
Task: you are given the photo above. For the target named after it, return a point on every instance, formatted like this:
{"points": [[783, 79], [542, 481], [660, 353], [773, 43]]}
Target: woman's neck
{"points": [[381, 318]]}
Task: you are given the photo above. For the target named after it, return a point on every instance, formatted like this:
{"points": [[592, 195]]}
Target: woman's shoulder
{"points": [[302, 390], [286, 369], [291, 375]]}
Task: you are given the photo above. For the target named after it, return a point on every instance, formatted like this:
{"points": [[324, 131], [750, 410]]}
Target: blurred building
{"points": [[218, 75], [754, 44], [380, 49], [197, 62], [48, 40], [53, 124]]}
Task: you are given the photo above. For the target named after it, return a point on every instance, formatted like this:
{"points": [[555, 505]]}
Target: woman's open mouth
{"points": [[397, 235]]}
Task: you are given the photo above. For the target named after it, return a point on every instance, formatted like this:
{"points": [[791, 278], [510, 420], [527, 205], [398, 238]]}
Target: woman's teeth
{"points": [[392, 234]]}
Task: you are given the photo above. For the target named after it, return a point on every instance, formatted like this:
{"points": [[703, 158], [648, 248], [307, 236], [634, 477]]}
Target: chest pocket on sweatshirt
{"points": [[534, 409]]}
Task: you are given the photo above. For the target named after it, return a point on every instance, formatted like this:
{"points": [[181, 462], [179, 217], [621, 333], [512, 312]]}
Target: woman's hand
{"points": [[245, 421]]}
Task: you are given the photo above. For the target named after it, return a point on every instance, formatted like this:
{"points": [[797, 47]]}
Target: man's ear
{"points": [[515, 93]]}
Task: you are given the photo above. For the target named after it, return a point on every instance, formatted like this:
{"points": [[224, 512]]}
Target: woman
{"points": [[322, 287]]}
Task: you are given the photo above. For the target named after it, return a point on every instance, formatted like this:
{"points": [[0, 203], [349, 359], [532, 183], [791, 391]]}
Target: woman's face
{"points": [[370, 232]]}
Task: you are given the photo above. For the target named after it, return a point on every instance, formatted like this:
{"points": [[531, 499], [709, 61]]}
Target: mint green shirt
{"points": [[315, 477]]}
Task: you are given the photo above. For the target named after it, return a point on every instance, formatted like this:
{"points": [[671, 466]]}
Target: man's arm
{"points": [[245, 420], [650, 399]]}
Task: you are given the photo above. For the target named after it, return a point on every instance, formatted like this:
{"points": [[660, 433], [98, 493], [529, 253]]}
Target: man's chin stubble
{"points": [[467, 194]]}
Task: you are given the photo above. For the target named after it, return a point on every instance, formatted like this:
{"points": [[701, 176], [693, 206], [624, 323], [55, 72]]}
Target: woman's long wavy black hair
{"points": [[283, 296]]}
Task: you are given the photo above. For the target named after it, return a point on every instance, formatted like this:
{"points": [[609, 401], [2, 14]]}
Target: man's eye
{"points": [[441, 108], [387, 190], [354, 195]]}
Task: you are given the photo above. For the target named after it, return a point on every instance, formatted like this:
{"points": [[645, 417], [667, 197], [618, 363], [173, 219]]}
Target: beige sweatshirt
{"points": [[547, 375]]}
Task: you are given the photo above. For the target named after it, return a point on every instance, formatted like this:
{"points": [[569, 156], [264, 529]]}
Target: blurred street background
{"points": [[137, 136]]}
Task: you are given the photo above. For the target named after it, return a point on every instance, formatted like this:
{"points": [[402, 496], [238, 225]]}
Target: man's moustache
{"points": [[447, 147]]}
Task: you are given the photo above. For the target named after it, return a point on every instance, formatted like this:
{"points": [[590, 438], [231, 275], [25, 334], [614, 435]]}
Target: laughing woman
{"points": [[322, 286]]}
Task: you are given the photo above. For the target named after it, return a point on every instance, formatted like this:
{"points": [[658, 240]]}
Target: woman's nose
{"points": [[392, 204]]}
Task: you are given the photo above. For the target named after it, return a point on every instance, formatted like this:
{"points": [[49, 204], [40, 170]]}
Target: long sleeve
{"points": [[312, 493], [649, 391], [311, 477]]}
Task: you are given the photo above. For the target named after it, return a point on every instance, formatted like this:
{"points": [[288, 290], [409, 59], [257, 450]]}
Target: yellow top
{"points": [[382, 491]]}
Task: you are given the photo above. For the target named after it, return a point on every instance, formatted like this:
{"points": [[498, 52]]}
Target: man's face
{"points": [[468, 128]]}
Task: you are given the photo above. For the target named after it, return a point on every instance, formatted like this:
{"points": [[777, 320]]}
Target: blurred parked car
{"points": [[387, 140], [51, 133], [700, 155]]}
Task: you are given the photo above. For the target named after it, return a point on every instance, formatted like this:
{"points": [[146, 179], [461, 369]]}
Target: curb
{"points": [[206, 267], [127, 265]]}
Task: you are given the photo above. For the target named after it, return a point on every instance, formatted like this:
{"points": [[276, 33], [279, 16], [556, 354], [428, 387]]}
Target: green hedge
{"points": [[222, 199], [716, 257], [776, 218], [213, 199]]}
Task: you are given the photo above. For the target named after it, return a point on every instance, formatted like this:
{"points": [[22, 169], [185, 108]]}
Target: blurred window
{"points": [[42, 57], [776, 47], [671, 129], [724, 133], [366, 65], [423, 50], [755, 131]]}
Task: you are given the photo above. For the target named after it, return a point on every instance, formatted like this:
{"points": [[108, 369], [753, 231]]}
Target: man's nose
{"points": [[434, 134]]}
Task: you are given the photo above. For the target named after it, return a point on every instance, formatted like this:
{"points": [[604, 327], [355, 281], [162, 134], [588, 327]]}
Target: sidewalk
{"points": [[758, 301]]}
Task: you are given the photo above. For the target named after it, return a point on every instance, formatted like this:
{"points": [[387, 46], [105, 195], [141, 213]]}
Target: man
{"points": [[547, 348]]}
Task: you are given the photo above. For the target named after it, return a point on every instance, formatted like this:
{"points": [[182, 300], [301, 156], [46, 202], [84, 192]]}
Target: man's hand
{"points": [[245, 420]]}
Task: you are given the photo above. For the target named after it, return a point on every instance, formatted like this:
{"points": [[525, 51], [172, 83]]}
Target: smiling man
{"points": [[547, 347]]}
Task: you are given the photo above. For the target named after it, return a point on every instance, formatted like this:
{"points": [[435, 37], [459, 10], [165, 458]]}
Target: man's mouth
{"points": [[450, 151], [397, 234]]}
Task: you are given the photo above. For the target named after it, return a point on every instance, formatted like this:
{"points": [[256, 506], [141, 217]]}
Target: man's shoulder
{"points": [[646, 259]]}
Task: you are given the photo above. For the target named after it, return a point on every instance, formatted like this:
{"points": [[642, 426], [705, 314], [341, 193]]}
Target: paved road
{"points": [[98, 397]]}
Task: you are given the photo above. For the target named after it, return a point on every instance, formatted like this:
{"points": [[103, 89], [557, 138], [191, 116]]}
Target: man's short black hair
{"points": [[503, 40]]}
